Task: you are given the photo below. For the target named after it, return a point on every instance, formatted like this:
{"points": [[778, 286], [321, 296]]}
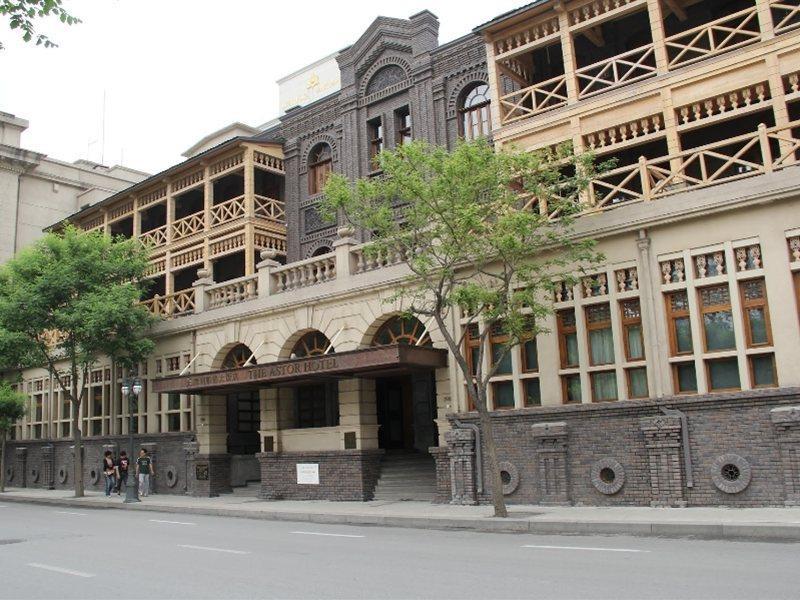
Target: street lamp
{"points": [[131, 388]]}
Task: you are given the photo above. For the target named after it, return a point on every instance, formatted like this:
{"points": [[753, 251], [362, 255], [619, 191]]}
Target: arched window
{"points": [[319, 168], [321, 250], [313, 343], [399, 330], [237, 357], [474, 112]]}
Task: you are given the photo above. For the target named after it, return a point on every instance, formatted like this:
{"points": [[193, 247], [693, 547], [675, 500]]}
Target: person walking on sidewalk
{"points": [[144, 469], [122, 470], [110, 472]]}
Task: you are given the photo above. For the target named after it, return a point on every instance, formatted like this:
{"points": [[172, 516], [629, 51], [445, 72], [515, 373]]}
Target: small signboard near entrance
{"points": [[308, 473]]}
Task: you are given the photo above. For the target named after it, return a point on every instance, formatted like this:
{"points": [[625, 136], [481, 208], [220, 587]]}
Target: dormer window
{"points": [[319, 168], [474, 112]]}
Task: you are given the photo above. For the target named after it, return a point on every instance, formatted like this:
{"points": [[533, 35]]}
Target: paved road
{"points": [[50, 552]]}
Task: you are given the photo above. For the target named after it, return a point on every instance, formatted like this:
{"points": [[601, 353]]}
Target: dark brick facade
{"points": [[343, 475], [396, 63], [742, 451], [209, 475]]}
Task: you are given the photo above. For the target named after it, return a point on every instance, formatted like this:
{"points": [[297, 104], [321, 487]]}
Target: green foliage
{"points": [[22, 14], [86, 287], [12, 406], [470, 234]]}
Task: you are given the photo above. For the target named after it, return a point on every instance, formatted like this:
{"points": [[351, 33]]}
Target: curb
{"points": [[762, 532]]}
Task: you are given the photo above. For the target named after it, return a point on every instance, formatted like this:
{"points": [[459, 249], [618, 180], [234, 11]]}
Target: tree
{"points": [[75, 296], [12, 409], [480, 231], [21, 15]]}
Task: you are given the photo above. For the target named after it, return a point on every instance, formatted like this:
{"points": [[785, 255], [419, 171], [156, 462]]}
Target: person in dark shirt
{"points": [[144, 469], [122, 470], [109, 469]]}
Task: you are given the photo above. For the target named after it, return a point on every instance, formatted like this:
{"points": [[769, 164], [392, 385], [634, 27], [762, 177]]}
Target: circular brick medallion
{"points": [[607, 476], [62, 475], [94, 476], [171, 475], [35, 475], [731, 473], [510, 476], [9, 474]]}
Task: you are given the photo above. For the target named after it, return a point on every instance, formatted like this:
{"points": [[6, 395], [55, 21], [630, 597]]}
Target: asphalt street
{"points": [[51, 552]]}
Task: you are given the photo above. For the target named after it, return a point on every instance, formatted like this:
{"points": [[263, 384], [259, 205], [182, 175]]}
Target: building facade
{"points": [[668, 376]]}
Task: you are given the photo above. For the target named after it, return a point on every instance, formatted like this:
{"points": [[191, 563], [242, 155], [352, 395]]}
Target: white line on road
{"points": [[64, 512], [585, 548], [212, 549], [171, 522], [60, 570], [327, 534]]}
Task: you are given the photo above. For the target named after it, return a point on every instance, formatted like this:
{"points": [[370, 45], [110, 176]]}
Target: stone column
{"points": [[662, 436], [462, 466], [786, 421], [265, 268], [358, 414], [210, 468], [200, 286], [48, 474], [550, 441], [342, 246], [21, 466]]}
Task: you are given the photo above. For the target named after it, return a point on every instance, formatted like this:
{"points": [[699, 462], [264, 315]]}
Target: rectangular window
{"points": [[375, 134], [503, 395], [601, 338], [604, 386], [532, 392], [632, 329], [755, 312], [473, 345], [680, 329], [500, 356], [762, 370], [530, 356], [723, 374], [402, 119], [174, 422], [715, 306], [568, 337], [572, 389], [174, 402], [637, 382], [685, 378], [317, 406]]}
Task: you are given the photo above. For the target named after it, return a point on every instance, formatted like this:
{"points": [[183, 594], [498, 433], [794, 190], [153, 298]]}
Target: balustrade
{"points": [[188, 226], [785, 15], [534, 99], [227, 211], [233, 292], [318, 269], [171, 305], [267, 160], [155, 237], [622, 69], [367, 260], [269, 208]]}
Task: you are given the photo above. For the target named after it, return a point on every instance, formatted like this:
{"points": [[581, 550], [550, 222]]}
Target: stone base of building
{"points": [[49, 464], [738, 449], [342, 475], [209, 475]]}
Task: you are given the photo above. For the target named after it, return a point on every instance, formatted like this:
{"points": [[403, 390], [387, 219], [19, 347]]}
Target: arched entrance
{"points": [[243, 408]]}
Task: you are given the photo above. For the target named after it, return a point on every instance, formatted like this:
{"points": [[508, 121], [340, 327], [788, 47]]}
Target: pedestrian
{"points": [[144, 469], [122, 470], [109, 471]]}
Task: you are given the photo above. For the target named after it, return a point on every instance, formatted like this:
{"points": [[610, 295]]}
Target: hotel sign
{"points": [[356, 363]]}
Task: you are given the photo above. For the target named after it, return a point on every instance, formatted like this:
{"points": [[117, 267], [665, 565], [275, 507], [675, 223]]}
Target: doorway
{"points": [[406, 408]]}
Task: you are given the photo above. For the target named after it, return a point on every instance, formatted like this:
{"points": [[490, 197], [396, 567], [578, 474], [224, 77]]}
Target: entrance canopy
{"points": [[379, 361]]}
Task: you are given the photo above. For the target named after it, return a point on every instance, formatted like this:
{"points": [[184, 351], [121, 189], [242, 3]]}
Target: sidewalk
{"points": [[763, 524]]}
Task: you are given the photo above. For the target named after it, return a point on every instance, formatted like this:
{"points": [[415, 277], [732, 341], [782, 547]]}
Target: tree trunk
{"points": [[78, 446], [3, 461], [487, 433]]}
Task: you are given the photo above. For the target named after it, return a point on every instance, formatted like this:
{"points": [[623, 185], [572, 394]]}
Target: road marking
{"points": [[64, 512], [212, 549], [171, 522], [60, 570], [585, 548], [327, 534]]}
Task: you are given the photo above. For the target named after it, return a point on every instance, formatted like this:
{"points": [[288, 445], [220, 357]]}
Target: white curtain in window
{"points": [[601, 342]]}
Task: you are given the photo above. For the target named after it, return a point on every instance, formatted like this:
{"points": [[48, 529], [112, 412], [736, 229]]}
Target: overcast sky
{"points": [[175, 70]]}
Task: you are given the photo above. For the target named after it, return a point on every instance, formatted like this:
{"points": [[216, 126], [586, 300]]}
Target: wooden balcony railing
{"points": [[619, 70], [785, 15], [227, 211], [269, 208], [722, 35], [534, 99], [317, 269], [155, 237], [172, 305], [233, 291], [188, 226], [267, 160]]}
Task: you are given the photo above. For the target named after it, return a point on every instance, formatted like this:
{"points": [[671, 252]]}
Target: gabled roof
{"points": [[229, 131], [509, 14]]}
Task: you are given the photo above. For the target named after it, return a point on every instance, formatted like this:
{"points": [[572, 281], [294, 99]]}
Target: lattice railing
{"points": [[155, 237], [269, 208], [227, 211], [366, 260], [311, 271], [722, 35], [268, 161], [233, 292], [188, 226], [785, 15], [534, 99], [622, 69], [171, 305]]}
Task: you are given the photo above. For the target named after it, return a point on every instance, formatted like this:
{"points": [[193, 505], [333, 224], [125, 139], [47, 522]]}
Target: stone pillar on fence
{"points": [[268, 263], [200, 286], [550, 442], [462, 466], [786, 421], [342, 247], [441, 457], [662, 438]]}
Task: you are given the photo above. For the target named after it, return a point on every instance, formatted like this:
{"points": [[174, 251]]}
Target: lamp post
{"points": [[131, 388]]}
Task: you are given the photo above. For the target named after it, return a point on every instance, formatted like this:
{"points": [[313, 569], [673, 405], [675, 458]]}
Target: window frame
{"points": [[403, 129], [563, 332], [707, 366], [630, 387], [565, 388], [626, 323], [593, 374], [319, 170], [751, 369], [716, 308], [375, 135], [746, 305], [676, 378], [480, 109], [672, 317], [606, 324]]}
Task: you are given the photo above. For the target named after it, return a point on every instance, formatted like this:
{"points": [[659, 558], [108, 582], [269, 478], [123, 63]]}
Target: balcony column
{"points": [[169, 284], [249, 213], [495, 87], [208, 203], [568, 52], [656, 15], [765, 19], [137, 219]]}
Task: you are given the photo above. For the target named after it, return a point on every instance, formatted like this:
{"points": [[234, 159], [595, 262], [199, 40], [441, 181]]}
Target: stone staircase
{"points": [[247, 491], [406, 476]]}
